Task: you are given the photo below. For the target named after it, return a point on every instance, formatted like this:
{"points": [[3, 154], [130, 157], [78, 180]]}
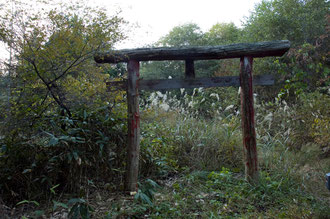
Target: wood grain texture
{"points": [[189, 69], [248, 125], [260, 49], [168, 84], [133, 144]]}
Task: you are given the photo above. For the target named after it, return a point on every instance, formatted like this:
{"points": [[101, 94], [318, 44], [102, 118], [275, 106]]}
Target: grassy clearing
{"points": [[224, 194], [292, 170], [208, 194]]}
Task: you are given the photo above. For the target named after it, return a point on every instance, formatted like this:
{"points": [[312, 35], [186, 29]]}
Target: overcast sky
{"points": [[156, 18]]}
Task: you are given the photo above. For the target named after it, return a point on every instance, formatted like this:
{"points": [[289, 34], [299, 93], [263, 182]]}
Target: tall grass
{"points": [[200, 142]]}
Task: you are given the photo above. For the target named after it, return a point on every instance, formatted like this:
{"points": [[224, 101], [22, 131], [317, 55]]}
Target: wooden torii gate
{"points": [[246, 53]]}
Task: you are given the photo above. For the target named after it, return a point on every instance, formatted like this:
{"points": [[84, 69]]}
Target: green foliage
{"points": [[146, 192], [185, 35], [184, 140], [312, 110], [28, 202], [197, 102], [191, 35], [299, 124], [291, 138], [304, 70], [305, 24], [225, 194], [62, 131], [298, 21], [79, 209], [53, 57], [223, 33], [89, 147], [60, 126], [157, 153], [210, 102]]}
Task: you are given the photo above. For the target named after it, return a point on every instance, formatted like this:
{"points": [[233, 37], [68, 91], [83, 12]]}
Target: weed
{"points": [[227, 194]]}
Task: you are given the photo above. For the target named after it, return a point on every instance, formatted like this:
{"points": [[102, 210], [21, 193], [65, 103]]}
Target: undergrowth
{"points": [[225, 194], [191, 166]]}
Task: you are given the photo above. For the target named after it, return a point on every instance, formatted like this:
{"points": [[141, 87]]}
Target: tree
{"points": [[180, 36], [184, 35], [61, 122], [223, 33], [53, 49], [188, 34], [191, 35], [300, 21], [304, 23]]}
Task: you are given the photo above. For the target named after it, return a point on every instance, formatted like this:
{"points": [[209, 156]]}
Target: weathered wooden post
{"points": [[189, 69], [247, 112], [133, 119]]}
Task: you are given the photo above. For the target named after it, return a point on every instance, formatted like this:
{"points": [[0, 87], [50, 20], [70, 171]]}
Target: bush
{"points": [[90, 147]]}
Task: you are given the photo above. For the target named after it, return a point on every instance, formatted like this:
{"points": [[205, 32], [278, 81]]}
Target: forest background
{"points": [[63, 135]]}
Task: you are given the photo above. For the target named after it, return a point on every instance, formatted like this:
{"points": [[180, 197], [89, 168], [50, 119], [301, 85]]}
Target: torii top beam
{"points": [[260, 49]]}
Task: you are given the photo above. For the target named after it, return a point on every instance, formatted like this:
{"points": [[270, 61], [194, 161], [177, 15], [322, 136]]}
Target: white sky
{"points": [[156, 18]]}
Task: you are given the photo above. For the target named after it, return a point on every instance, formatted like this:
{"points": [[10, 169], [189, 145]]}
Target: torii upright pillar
{"points": [[248, 127], [133, 119]]}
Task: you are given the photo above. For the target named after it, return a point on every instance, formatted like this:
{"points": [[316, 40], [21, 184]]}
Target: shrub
{"points": [[90, 146]]}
